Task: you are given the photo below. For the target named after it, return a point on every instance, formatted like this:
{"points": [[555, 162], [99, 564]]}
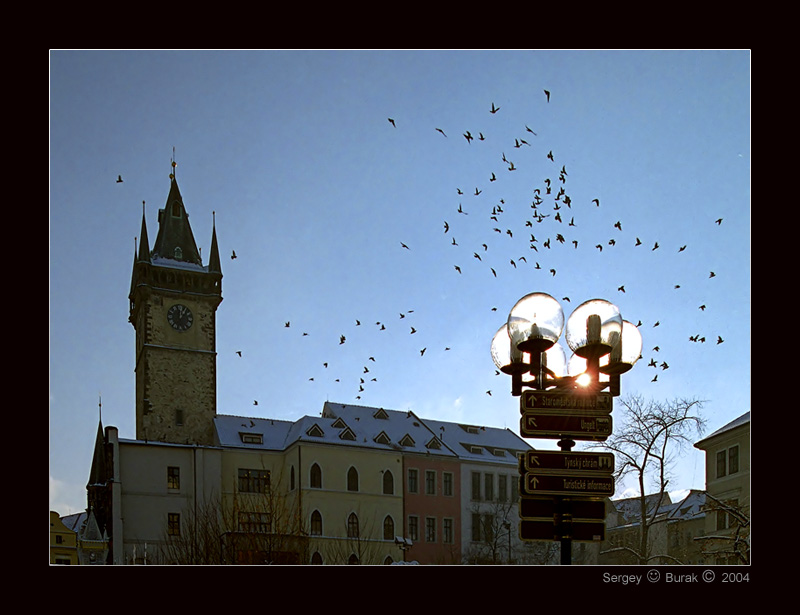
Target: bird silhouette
{"points": [[719, 339], [468, 136], [391, 121], [233, 254], [287, 324], [553, 271], [404, 245], [458, 268], [621, 289], [119, 179], [596, 202], [255, 402], [494, 109], [441, 131], [655, 247], [550, 155], [547, 94], [712, 274], [638, 241], [529, 130], [341, 339], [446, 226], [239, 352], [719, 222], [422, 352]]}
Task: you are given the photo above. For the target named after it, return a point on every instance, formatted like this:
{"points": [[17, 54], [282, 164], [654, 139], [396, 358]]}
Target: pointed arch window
{"points": [[352, 479], [316, 523], [388, 528], [352, 526], [316, 559], [316, 477], [388, 483]]}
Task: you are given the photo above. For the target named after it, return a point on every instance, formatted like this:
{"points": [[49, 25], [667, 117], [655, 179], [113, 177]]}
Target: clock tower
{"points": [[173, 304]]}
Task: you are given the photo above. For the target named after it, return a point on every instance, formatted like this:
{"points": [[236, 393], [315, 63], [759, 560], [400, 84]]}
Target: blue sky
{"points": [[293, 154]]}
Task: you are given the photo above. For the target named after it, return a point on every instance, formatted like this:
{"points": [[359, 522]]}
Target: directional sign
{"points": [[566, 401], [579, 427], [543, 484], [559, 462], [543, 529], [580, 509]]}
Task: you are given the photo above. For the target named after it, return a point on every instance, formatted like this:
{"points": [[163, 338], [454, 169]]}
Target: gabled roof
{"points": [[737, 422]]}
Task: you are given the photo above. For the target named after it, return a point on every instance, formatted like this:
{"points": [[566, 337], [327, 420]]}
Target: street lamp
{"points": [[566, 400]]}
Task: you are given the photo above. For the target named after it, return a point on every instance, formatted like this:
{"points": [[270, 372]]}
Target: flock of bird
{"points": [[551, 214]]}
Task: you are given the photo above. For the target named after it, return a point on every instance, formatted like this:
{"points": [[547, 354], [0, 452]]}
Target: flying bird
{"points": [[119, 179], [712, 274], [547, 93], [239, 352], [553, 271], [457, 268], [422, 352], [341, 339], [440, 130], [446, 226], [391, 121], [233, 254], [404, 245], [529, 130], [719, 222], [468, 136], [596, 202], [655, 247], [621, 289], [550, 155], [494, 109], [719, 340]]}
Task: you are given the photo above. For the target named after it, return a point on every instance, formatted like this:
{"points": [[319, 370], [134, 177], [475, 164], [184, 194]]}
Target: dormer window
{"points": [[176, 209], [178, 252]]}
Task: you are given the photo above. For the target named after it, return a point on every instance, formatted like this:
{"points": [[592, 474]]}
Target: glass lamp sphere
{"points": [[508, 358], [594, 328], [625, 354], [555, 359], [577, 365], [535, 322]]}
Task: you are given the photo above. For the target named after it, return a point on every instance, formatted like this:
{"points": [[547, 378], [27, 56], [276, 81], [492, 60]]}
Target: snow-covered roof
{"points": [[737, 422], [375, 428]]}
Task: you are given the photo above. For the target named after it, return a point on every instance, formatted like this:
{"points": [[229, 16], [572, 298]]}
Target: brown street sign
{"points": [[568, 402], [542, 529], [559, 462], [578, 427], [547, 507], [581, 485]]}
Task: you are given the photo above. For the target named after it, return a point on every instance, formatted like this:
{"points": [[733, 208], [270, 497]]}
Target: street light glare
{"points": [[583, 380]]}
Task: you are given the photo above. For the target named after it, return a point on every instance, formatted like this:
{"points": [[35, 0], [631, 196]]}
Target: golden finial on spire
{"points": [[174, 164]]}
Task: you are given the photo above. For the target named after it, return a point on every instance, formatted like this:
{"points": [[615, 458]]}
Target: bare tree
{"points": [[733, 543], [651, 435]]}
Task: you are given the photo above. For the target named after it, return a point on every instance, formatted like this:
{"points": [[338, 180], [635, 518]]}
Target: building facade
{"points": [[352, 485], [727, 520]]}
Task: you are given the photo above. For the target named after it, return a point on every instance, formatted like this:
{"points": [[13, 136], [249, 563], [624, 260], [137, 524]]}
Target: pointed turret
{"points": [[175, 240], [214, 265], [144, 243]]}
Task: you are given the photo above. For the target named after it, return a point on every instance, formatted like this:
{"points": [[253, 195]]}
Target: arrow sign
{"points": [[579, 427], [582, 485], [560, 401], [560, 462]]}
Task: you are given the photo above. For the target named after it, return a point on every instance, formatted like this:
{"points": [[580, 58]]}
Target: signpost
{"points": [[551, 425], [558, 462], [560, 401]]}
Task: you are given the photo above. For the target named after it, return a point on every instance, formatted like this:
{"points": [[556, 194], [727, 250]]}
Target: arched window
{"points": [[388, 483], [352, 479], [316, 523], [353, 561], [388, 528], [388, 561], [352, 526], [316, 559], [316, 477]]}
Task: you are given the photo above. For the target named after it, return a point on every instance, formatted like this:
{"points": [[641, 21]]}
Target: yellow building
{"points": [[63, 542]]}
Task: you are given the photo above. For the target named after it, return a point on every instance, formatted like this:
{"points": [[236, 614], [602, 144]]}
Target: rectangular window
{"points": [[178, 416], [413, 480], [253, 481], [173, 477], [476, 527], [721, 459], [502, 488], [430, 529], [488, 487], [254, 522], [430, 482], [447, 531], [733, 460], [476, 486], [173, 524], [447, 483], [413, 527]]}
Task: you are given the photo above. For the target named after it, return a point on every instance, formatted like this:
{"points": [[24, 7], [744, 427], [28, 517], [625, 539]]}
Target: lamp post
{"points": [[604, 346]]}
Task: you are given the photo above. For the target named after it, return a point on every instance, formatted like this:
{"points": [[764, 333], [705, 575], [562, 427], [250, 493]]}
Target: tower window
{"points": [[178, 252], [178, 416], [176, 209]]}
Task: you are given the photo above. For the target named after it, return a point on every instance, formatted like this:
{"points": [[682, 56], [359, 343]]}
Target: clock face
{"points": [[180, 317]]}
